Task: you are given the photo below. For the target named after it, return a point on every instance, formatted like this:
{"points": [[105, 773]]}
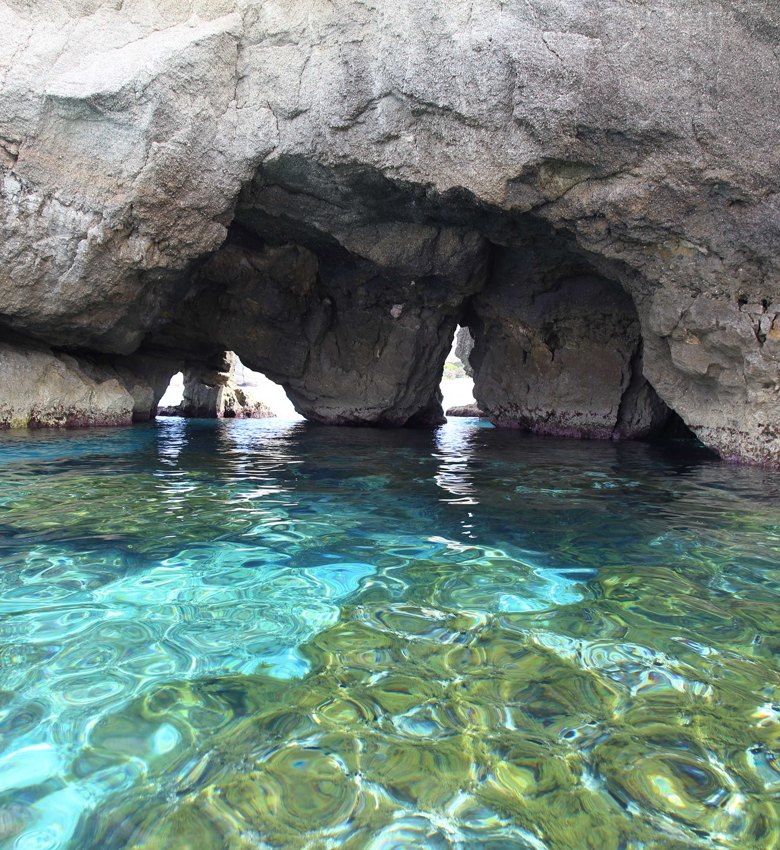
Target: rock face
{"points": [[351, 339], [464, 345], [592, 187], [42, 388], [578, 334]]}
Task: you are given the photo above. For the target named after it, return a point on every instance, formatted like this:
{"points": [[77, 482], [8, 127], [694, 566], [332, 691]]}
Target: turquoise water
{"points": [[263, 634]]}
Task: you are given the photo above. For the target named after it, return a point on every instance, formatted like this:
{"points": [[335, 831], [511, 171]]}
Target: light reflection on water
{"points": [[269, 634]]}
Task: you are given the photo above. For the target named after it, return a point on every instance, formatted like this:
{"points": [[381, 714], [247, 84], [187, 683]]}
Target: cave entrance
{"points": [[265, 390], [171, 398], [457, 382], [239, 392]]}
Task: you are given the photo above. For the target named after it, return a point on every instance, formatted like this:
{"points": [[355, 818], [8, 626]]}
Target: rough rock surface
{"points": [[351, 341], [578, 334], [464, 345], [465, 410], [169, 410], [391, 157], [43, 388]]}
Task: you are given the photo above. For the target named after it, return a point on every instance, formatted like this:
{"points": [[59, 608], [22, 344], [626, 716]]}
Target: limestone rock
{"points": [[464, 345], [559, 353], [350, 341], [43, 388], [244, 405], [169, 410], [145, 378], [718, 365], [210, 392], [151, 153]]}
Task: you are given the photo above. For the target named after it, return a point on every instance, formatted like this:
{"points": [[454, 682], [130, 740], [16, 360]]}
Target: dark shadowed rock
{"points": [[169, 410], [559, 352]]}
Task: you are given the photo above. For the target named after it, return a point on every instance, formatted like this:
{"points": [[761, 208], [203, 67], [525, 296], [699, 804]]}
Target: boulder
{"points": [[465, 410], [42, 388]]}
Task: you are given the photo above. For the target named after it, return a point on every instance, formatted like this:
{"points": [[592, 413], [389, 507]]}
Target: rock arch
{"points": [[329, 193]]}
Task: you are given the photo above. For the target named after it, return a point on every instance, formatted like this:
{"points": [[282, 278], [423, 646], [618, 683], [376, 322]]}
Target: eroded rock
{"points": [[351, 341], [464, 345], [42, 388], [465, 410], [559, 355], [397, 149], [718, 365]]}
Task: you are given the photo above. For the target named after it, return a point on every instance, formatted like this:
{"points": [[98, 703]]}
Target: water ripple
{"points": [[259, 634]]}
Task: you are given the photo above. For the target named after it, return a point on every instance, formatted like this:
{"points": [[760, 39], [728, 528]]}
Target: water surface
{"points": [[263, 634]]}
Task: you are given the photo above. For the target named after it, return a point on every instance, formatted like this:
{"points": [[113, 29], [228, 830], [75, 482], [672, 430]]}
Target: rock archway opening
{"points": [[224, 390], [457, 384], [347, 288], [327, 205], [258, 386], [169, 404]]}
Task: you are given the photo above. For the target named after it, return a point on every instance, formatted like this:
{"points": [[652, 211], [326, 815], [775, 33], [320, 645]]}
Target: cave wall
{"points": [[137, 141], [356, 318], [354, 337], [718, 365], [560, 352]]}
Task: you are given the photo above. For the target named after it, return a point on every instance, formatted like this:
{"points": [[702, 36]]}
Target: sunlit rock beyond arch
{"points": [[592, 188]]}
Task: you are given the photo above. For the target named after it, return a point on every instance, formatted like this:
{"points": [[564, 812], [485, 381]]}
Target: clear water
{"points": [[270, 635]]}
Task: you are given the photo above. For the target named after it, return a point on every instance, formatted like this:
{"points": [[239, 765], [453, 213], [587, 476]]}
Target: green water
{"points": [[260, 634]]}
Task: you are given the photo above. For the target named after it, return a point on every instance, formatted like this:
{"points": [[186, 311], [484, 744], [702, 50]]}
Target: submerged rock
{"points": [[307, 191]]}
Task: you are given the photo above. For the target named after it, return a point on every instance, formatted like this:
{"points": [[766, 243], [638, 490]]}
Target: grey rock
{"points": [[43, 388], [464, 345], [350, 341], [149, 154], [169, 410], [465, 410], [558, 352]]}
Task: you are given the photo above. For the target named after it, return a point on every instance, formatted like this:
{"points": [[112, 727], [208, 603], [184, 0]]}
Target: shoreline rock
{"points": [[42, 388]]}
